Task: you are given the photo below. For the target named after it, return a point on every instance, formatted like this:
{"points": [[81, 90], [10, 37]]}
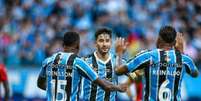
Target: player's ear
{"points": [[174, 43], [64, 46]]}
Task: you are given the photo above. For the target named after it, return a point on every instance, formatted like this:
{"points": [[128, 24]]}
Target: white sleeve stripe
{"points": [[85, 72], [190, 66], [139, 64], [141, 54], [187, 58]]}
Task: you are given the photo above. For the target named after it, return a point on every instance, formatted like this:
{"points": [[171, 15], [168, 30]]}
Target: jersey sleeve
{"points": [[85, 69], [135, 63], [123, 61], [3, 73], [43, 68], [189, 64]]}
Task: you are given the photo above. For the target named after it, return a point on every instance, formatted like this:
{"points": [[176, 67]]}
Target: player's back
{"points": [[164, 76], [61, 82]]}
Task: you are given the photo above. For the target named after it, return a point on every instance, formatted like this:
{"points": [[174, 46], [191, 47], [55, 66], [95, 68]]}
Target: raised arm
{"points": [[120, 48], [180, 42], [108, 86], [134, 64]]}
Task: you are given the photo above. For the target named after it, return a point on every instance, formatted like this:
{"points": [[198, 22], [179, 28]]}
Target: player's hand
{"points": [[136, 76], [120, 46], [123, 87], [179, 42]]}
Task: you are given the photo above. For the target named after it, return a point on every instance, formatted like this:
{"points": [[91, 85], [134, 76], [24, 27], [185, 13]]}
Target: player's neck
{"points": [[102, 57], [68, 50], [165, 46]]}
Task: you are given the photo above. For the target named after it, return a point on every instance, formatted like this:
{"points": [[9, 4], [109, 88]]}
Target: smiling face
{"points": [[103, 43]]}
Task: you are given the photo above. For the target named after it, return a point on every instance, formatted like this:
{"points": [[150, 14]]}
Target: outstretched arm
{"points": [[137, 63], [108, 86], [136, 76], [121, 70], [86, 71]]}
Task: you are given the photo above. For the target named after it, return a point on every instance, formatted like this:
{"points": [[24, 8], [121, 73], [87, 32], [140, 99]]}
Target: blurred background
{"points": [[30, 30]]}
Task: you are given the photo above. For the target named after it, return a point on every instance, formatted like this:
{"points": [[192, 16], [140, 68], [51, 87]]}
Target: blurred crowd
{"points": [[31, 30]]}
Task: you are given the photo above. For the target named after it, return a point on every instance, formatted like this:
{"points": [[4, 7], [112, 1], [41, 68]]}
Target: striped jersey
{"points": [[63, 73], [163, 73], [105, 70]]}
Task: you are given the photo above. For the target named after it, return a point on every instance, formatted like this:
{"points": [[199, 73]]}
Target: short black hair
{"points": [[103, 31], [71, 38], [168, 34]]}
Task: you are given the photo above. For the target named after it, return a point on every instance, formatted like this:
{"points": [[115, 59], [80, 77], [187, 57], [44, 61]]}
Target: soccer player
{"points": [[61, 73], [4, 81], [164, 68], [104, 63]]}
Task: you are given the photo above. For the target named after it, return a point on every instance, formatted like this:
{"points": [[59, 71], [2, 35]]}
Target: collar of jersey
{"points": [[104, 62]]}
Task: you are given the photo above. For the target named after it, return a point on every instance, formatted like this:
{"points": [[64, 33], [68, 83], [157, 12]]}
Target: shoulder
{"points": [[87, 57], [78, 60], [186, 57], [146, 51], [49, 59], [46, 61], [139, 54]]}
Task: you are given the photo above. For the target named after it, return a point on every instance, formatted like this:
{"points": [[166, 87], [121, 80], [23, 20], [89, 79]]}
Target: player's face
{"points": [[103, 43]]}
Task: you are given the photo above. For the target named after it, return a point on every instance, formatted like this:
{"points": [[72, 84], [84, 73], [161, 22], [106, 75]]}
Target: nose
{"points": [[104, 43]]}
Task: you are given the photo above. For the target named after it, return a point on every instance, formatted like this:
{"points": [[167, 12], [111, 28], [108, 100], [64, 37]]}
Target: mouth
{"points": [[105, 49]]}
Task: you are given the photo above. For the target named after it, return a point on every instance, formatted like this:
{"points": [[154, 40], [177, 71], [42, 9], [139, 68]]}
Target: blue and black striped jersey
{"points": [[163, 73], [105, 70], [63, 72]]}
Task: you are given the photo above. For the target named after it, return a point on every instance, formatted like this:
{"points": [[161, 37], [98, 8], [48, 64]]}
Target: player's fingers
{"points": [[117, 40], [126, 44], [120, 39], [123, 41], [180, 35]]}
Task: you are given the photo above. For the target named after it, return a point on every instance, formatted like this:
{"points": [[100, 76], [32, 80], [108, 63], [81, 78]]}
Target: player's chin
{"points": [[105, 51]]}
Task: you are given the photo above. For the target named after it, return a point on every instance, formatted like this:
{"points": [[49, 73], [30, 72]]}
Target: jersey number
{"points": [[164, 92], [61, 93]]}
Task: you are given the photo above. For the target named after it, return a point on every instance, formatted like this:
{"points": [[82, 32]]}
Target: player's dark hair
{"points": [[71, 38], [103, 31], [168, 34]]}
